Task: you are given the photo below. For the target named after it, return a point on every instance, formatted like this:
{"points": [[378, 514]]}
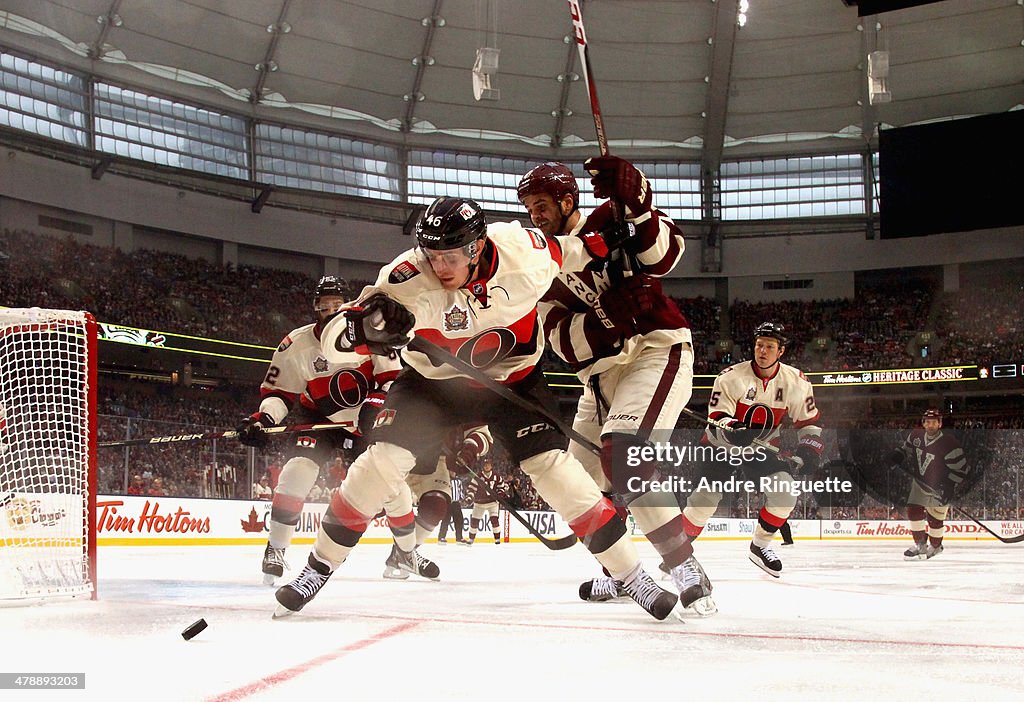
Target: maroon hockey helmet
{"points": [[552, 178], [931, 413]]}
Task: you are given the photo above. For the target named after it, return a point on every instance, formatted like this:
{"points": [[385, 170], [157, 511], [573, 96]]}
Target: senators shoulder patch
{"points": [[402, 272], [285, 343]]}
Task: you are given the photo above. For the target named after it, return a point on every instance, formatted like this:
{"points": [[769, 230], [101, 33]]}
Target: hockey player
{"points": [[320, 391], [939, 465], [754, 398], [473, 289], [483, 488], [628, 343]]}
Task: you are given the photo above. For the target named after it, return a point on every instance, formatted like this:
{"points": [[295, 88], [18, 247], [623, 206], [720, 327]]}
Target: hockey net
{"points": [[47, 453]]}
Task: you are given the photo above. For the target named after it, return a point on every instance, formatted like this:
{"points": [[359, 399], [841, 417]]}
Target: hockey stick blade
{"points": [[553, 544]]}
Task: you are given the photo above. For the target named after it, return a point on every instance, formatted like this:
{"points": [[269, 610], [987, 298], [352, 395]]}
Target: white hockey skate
{"points": [[765, 559], [933, 551], [273, 564], [694, 587], [299, 592]]}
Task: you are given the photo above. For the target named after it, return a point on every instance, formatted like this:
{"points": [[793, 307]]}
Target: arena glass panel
{"points": [[808, 186], [43, 100], [326, 162], [136, 125]]}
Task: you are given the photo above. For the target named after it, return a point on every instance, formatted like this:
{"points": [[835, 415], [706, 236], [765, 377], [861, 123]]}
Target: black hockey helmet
{"points": [[450, 223], [772, 330], [552, 178], [328, 286]]}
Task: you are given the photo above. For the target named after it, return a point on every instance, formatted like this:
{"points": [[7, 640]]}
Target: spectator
{"points": [[261, 490]]}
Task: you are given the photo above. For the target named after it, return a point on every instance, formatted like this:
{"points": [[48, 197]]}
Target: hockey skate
{"points": [[601, 590], [917, 552], [645, 592], [694, 587], [401, 564], [765, 559], [273, 564], [298, 593], [441, 541], [933, 551]]}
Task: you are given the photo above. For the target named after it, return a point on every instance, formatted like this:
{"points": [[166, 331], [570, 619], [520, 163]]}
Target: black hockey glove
{"points": [[379, 326], [251, 430], [743, 434], [635, 297], [806, 459], [616, 178]]}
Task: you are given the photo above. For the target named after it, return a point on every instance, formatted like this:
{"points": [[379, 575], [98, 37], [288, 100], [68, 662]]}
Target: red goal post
{"points": [[47, 453]]}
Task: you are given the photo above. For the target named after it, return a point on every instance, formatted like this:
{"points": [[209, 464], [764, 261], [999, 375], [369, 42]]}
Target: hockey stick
{"points": [[441, 355], [595, 109], [553, 544], [931, 491], [231, 434]]}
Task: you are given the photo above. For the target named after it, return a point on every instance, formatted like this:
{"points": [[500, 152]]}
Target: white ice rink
{"points": [[849, 620]]}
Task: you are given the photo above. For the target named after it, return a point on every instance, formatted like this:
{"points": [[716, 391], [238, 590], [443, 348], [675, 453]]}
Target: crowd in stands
{"points": [[169, 292]]}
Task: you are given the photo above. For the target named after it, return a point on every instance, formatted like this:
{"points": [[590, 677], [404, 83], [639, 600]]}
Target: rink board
{"points": [[164, 521]]}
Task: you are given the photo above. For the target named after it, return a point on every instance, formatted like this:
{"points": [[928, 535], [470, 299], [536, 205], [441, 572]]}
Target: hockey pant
{"points": [[477, 517], [927, 515], [623, 409]]}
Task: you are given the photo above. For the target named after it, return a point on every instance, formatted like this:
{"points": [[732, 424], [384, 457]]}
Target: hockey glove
{"points": [[635, 297], [618, 179], [473, 446], [379, 326], [806, 460], [369, 410], [251, 430], [743, 434]]}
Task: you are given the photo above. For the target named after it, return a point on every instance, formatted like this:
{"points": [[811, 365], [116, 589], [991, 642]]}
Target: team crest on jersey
{"points": [[402, 272], [307, 442], [456, 319], [751, 393], [320, 364], [285, 343], [467, 211]]}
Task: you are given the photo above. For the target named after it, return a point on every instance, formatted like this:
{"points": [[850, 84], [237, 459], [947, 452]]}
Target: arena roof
{"points": [[671, 76]]}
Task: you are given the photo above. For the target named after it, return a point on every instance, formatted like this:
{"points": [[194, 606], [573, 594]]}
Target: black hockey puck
{"points": [[193, 629]]}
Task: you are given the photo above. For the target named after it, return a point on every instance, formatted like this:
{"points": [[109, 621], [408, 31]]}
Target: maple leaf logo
{"points": [[254, 525]]}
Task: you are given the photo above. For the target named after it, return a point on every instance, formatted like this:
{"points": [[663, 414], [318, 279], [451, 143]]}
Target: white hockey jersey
{"points": [[492, 322], [299, 371], [739, 392]]}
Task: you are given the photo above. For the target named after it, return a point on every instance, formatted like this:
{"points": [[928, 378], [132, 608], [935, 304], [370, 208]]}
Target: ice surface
{"points": [[848, 620]]}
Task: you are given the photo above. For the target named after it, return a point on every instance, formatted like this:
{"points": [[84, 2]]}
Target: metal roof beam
{"points": [[414, 96]]}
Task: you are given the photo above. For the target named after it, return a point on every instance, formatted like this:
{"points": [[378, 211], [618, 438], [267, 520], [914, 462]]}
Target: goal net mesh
{"points": [[47, 453]]}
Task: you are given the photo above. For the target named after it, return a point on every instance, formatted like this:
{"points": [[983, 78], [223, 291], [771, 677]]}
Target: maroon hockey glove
{"points": [[615, 178], [635, 297], [473, 446], [251, 430]]}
